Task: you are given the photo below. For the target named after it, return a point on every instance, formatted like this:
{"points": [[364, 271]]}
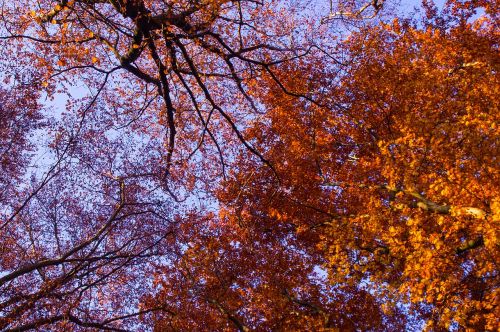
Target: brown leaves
{"points": [[400, 192], [229, 165]]}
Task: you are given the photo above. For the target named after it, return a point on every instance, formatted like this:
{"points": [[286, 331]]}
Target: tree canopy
{"points": [[240, 165]]}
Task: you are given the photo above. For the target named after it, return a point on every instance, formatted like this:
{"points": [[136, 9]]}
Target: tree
{"points": [[229, 276], [393, 176], [144, 86], [20, 116], [230, 165]]}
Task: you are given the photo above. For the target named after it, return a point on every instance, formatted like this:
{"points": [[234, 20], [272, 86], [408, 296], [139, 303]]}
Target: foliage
{"points": [[238, 165]]}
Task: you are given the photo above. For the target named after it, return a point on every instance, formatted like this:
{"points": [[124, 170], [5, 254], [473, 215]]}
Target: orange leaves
{"points": [[412, 155], [227, 173]]}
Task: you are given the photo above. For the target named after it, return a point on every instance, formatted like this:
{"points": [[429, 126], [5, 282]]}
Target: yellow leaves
{"points": [[274, 213], [495, 209], [416, 235], [436, 241], [491, 237], [445, 192], [400, 206], [361, 233]]}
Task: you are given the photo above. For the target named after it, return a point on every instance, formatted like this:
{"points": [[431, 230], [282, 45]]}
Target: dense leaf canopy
{"points": [[220, 165]]}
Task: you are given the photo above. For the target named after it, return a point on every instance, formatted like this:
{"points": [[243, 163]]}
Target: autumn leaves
{"points": [[218, 174]]}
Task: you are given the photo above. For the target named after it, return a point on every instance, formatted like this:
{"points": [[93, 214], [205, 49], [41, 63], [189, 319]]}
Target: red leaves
{"points": [[232, 165]]}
